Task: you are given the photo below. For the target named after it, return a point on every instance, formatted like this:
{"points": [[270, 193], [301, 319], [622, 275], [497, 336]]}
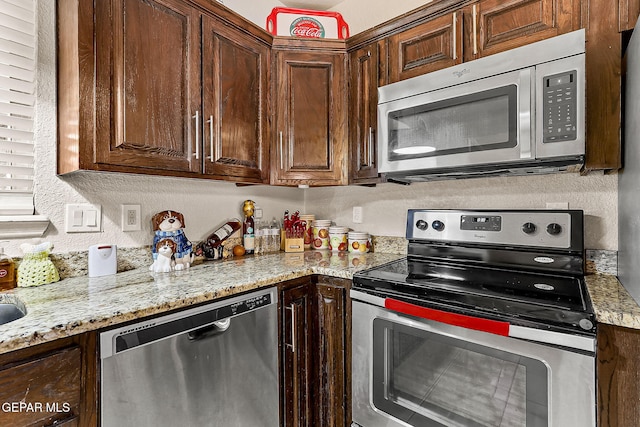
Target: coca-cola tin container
{"points": [[284, 21]]}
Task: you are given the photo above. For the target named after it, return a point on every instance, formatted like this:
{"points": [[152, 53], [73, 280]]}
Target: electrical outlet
{"points": [[357, 214], [130, 218]]}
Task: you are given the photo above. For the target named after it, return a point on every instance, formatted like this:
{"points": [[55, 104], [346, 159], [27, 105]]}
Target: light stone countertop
{"points": [[612, 303], [81, 304]]}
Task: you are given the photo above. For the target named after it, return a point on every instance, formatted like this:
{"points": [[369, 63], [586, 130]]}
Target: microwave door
{"points": [[473, 123]]}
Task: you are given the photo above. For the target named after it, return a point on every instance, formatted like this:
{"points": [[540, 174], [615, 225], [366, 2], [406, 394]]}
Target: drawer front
{"points": [[41, 391]]}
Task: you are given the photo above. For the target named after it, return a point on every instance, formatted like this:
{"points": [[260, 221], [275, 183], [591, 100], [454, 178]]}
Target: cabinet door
{"points": [[618, 381], [49, 385], [297, 357], [628, 16], [333, 351], [311, 119], [363, 102], [147, 84], [427, 47], [236, 71], [493, 26]]}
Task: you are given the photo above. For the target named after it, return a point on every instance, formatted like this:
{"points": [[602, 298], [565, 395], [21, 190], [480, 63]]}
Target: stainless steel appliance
{"points": [[486, 322], [516, 112], [213, 365], [629, 176]]}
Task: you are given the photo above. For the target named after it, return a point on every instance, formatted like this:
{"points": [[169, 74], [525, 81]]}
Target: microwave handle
{"points": [[370, 145], [474, 14], [454, 49]]}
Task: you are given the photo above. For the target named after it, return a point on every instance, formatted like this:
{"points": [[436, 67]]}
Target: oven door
{"points": [[409, 371], [481, 122]]}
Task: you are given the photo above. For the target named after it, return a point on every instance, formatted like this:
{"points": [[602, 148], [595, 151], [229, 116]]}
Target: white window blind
{"points": [[17, 105]]}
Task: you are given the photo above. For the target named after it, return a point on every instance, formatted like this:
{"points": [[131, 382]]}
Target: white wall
{"points": [[361, 15], [254, 11], [385, 206]]}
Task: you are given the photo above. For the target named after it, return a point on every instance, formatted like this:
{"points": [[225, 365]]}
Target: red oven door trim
{"points": [[468, 322]]}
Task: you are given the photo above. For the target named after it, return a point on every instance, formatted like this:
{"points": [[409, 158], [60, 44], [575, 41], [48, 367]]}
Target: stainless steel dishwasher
{"points": [[213, 365]]}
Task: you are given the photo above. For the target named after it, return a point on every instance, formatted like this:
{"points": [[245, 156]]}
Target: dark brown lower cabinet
{"points": [[618, 376], [52, 384], [296, 351], [316, 348]]}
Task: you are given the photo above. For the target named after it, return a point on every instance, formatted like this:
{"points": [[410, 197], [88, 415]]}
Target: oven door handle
{"points": [[454, 319], [492, 326]]}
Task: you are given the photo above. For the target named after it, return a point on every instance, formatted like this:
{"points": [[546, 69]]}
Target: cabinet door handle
{"points": [[210, 121], [475, 30], [292, 307], [281, 153], [197, 117], [370, 146], [454, 50]]}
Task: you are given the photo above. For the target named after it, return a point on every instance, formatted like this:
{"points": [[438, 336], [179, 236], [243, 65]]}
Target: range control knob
{"points": [[554, 229], [437, 225], [529, 228], [422, 224]]}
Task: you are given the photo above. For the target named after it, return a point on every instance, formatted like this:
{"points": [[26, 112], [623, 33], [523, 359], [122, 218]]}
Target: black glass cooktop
{"points": [[528, 298]]}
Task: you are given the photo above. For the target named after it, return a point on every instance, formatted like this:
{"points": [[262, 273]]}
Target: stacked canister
{"points": [[321, 234], [359, 241], [338, 238]]}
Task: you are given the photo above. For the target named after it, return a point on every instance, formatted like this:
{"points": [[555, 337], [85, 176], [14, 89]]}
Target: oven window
{"points": [[476, 122], [427, 379]]}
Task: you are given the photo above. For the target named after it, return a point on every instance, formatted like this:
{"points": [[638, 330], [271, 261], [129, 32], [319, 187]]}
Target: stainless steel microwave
{"points": [[517, 112]]}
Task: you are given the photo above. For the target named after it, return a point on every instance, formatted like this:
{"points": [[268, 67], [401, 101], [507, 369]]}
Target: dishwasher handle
{"points": [[196, 319], [212, 330]]}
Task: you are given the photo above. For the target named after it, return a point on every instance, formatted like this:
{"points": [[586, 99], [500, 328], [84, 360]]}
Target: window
{"points": [[17, 102], [17, 108]]}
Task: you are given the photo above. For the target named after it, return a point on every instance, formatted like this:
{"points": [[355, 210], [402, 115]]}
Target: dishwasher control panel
{"points": [[146, 332]]}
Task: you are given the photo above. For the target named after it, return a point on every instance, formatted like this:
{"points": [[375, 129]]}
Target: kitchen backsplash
{"points": [[73, 264]]}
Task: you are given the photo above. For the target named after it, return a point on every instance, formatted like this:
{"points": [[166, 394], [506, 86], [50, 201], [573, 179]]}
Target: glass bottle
{"points": [[211, 246], [7, 271], [248, 227], [275, 235]]}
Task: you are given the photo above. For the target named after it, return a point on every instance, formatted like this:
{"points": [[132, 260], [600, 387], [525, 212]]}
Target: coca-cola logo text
{"points": [[307, 27]]}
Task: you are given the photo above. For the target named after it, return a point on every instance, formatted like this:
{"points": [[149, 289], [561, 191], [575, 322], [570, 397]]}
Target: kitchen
{"points": [[384, 206]]}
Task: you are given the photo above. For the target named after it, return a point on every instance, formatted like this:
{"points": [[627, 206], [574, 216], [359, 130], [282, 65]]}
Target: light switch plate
{"points": [[83, 218]]}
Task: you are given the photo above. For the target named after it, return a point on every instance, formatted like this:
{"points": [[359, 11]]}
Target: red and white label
{"points": [[307, 27], [303, 23]]}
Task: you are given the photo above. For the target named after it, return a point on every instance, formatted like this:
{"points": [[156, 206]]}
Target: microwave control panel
{"points": [[560, 107]]}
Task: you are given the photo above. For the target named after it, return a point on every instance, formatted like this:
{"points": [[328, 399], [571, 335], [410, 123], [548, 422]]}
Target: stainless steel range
{"points": [[486, 322]]}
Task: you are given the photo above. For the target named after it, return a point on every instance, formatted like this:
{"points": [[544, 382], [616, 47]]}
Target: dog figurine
{"points": [[170, 225], [164, 262]]}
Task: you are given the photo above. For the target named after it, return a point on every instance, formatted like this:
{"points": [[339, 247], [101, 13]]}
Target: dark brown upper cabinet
{"points": [[427, 47], [133, 97], [188, 88], [363, 103], [310, 143], [237, 72], [475, 30]]}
